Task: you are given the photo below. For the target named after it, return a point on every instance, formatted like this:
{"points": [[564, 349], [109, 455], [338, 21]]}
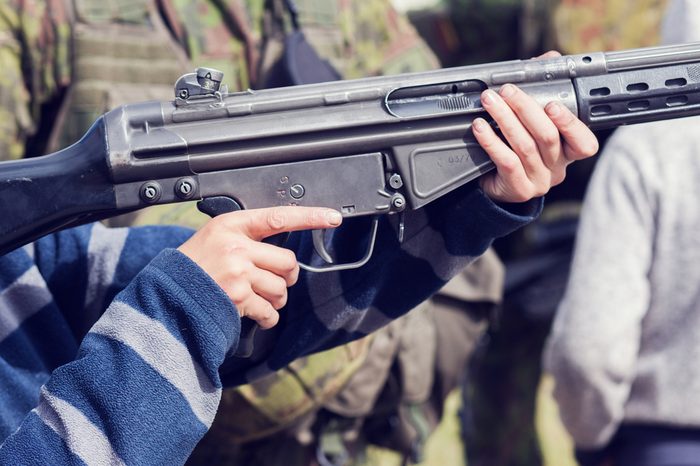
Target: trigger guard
{"points": [[350, 265]]}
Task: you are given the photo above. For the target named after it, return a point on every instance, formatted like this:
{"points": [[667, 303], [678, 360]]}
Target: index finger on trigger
{"points": [[262, 223]]}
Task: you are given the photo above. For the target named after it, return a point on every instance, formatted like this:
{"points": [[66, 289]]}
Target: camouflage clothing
{"points": [[478, 31], [581, 26], [37, 40], [34, 38]]}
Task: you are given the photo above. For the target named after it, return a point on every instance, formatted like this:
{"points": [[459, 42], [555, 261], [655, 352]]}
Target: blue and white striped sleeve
{"points": [[86, 267], [144, 386]]}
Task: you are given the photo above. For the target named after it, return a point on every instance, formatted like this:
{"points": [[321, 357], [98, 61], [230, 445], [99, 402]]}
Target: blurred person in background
{"points": [[626, 338]]}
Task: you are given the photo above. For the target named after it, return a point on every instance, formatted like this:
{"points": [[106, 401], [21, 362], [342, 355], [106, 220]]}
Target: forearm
{"points": [[144, 386]]}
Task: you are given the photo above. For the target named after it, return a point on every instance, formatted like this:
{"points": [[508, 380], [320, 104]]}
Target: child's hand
{"points": [[253, 274], [539, 144]]}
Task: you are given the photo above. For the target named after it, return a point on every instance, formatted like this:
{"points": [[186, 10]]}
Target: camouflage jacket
{"points": [[591, 25], [39, 54]]}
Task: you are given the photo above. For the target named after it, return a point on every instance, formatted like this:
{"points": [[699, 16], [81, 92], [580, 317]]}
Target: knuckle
{"points": [[509, 126], [314, 217], [582, 151], [512, 95], [235, 246], [268, 318], [526, 147], [289, 261], [558, 176], [276, 219], [509, 166], [208, 231], [239, 269], [280, 299], [520, 102], [541, 187], [591, 148], [550, 137], [487, 142], [240, 295], [292, 277], [523, 196], [567, 119], [224, 222], [527, 192], [215, 222]]}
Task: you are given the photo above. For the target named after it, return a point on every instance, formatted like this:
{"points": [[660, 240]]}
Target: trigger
{"points": [[320, 245]]}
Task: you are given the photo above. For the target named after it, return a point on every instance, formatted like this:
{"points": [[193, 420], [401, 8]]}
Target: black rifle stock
{"points": [[371, 146]]}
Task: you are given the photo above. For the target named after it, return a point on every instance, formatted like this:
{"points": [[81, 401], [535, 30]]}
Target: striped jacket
{"points": [[139, 382]]}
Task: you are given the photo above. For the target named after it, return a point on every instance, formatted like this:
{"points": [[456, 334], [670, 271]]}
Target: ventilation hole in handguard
{"points": [[638, 87], [678, 82], [638, 105], [600, 110], [677, 100], [600, 92]]}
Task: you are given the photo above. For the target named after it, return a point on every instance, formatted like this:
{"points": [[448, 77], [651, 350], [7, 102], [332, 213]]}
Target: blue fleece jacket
{"points": [[111, 342]]}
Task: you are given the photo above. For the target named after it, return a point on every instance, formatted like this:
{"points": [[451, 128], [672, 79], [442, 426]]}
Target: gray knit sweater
{"points": [[625, 345]]}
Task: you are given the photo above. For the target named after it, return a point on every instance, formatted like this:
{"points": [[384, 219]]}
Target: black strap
{"points": [[302, 63]]}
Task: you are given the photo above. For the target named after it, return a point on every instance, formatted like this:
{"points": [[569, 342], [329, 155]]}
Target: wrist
{"points": [[200, 288]]}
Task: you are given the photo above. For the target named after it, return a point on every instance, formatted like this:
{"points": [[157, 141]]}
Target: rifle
{"points": [[365, 147]]}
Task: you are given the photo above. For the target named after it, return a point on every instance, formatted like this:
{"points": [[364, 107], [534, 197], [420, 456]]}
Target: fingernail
{"points": [[487, 96], [334, 218], [479, 125], [507, 90], [553, 109]]}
